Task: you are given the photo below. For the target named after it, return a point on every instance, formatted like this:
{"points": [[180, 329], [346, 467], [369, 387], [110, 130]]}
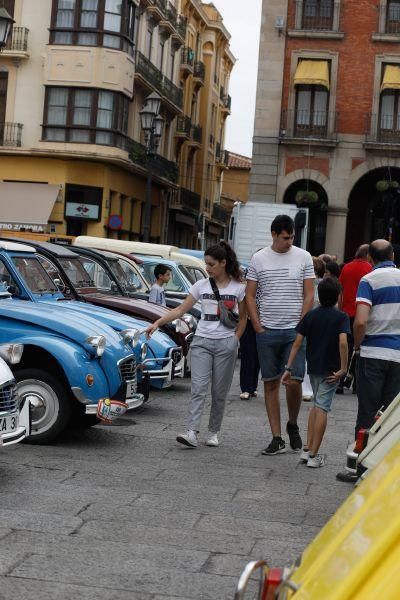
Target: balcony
{"points": [[183, 127], [187, 61], [199, 74], [190, 200], [309, 127], [317, 20], [161, 167], [220, 214], [196, 134], [225, 100], [11, 135], [169, 22], [181, 27], [157, 9], [382, 131], [220, 158], [17, 45], [153, 79]]}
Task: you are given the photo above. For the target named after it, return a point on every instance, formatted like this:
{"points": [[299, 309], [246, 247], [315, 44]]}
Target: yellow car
{"points": [[356, 556]]}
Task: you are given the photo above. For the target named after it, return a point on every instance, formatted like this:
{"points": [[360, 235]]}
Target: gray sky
{"points": [[242, 19]]}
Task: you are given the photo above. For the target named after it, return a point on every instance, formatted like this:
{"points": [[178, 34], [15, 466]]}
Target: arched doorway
{"points": [[317, 213], [374, 214]]}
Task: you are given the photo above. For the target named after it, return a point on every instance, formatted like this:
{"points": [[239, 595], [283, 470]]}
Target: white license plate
{"points": [[8, 424], [130, 389]]}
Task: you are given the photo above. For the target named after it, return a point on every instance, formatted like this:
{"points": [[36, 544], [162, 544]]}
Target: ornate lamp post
{"points": [[6, 23], [152, 124]]}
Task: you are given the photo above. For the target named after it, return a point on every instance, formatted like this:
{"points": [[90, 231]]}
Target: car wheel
{"points": [[50, 404]]}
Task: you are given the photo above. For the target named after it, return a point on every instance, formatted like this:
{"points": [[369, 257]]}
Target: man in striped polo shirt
{"points": [[282, 277], [377, 334]]}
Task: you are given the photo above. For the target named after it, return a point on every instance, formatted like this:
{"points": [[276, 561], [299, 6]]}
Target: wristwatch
{"points": [[289, 369]]}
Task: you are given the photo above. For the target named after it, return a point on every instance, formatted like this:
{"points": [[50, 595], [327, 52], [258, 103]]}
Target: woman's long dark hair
{"points": [[223, 251]]}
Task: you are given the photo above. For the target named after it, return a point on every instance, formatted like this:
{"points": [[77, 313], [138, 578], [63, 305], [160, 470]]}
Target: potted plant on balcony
{"points": [[304, 197], [384, 184]]}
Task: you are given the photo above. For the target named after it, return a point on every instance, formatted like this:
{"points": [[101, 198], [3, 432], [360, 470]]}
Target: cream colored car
{"points": [[195, 267]]}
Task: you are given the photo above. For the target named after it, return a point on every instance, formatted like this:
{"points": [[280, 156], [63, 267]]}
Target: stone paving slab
{"points": [[123, 512]]}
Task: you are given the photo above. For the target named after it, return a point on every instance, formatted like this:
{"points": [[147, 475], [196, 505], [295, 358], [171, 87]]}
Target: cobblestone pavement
{"points": [[124, 513]]}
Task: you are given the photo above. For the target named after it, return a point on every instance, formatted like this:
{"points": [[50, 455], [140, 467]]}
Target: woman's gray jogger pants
{"points": [[211, 360]]}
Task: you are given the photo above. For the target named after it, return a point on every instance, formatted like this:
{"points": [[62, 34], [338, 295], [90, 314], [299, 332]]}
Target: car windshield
{"points": [[175, 284], [76, 273], [97, 275], [36, 278], [192, 273], [128, 276]]}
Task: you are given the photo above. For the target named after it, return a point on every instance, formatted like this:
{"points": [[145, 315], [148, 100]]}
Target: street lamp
{"points": [[6, 23], [152, 124]]}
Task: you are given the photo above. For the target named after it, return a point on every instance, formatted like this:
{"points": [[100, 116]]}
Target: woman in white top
{"points": [[214, 346]]}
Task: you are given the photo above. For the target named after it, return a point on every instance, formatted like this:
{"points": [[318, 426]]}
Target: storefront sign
{"points": [[22, 227], [75, 210]]}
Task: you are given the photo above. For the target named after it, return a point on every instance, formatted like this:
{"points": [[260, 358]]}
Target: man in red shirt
{"points": [[350, 278]]}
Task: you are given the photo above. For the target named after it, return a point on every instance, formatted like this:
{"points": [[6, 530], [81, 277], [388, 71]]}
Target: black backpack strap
{"points": [[215, 289]]}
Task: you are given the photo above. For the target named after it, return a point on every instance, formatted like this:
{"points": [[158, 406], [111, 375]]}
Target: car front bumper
{"points": [[22, 431]]}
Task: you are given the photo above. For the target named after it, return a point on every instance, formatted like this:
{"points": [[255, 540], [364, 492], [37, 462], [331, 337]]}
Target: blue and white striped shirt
{"points": [[380, 289]]}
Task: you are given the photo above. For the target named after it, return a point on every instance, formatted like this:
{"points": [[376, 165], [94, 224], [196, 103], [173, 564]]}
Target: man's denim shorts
{"points": [[323, 392], [273, 347]]}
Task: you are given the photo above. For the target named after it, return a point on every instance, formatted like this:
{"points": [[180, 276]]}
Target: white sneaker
{"points": [[304, 456], [316, 461], [212, 440], [188, 439], [244, 396]]}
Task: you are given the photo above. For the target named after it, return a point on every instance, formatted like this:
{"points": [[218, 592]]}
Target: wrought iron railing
{"points": [[172, 14], [220, 213], [383, 128], [318, 20], [190, 199], [159, 165], [11, 134], [181, 26], [18, 39], [196, 133], [199, 70], [161, 4], [187, 56], [183, 126], [393, 18], [317, 124], [163, 85]]}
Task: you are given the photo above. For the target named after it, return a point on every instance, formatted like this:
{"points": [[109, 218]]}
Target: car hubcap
{"points": [[44, 403]]}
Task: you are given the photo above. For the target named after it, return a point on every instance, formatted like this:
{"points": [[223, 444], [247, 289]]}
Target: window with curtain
{"points": [[393, 17], [86, 116], [318, 14], [109, 23], [389, 115], [311, 114]]}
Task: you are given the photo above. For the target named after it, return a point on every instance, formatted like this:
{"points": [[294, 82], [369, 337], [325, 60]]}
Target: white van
{"points": [[194, 266]]}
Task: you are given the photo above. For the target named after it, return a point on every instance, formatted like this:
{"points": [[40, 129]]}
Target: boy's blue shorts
{"points": [[323, 392]]}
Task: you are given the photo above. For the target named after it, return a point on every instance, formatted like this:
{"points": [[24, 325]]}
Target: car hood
{"points": [[141, 308], [46, 316], [117, 321]]}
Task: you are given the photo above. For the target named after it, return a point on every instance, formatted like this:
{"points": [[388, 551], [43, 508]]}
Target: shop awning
{"points": [[26, 204], [312, 72], [391, 78]]}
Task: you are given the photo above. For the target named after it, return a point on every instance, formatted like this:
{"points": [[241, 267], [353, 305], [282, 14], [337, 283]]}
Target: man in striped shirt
{"points": [[282, 276], [377, 334]]}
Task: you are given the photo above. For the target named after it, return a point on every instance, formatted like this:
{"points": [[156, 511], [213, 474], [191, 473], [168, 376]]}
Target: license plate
{"points": [[130, 389], [8, 424]]}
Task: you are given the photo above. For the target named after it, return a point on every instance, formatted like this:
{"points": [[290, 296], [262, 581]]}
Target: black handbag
{"points": [[226, 316]]}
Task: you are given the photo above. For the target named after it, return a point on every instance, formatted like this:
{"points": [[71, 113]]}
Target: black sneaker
{"points": [[277, 446], [294, 436]]}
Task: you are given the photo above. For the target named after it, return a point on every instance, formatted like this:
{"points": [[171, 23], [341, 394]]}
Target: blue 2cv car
{"points": [[69, 363]]}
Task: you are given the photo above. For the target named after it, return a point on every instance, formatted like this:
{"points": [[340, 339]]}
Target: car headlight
{"points": [[190, 320], [11, 353], [98, 342], [180, 326], [131, 336], [143, 350]]}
